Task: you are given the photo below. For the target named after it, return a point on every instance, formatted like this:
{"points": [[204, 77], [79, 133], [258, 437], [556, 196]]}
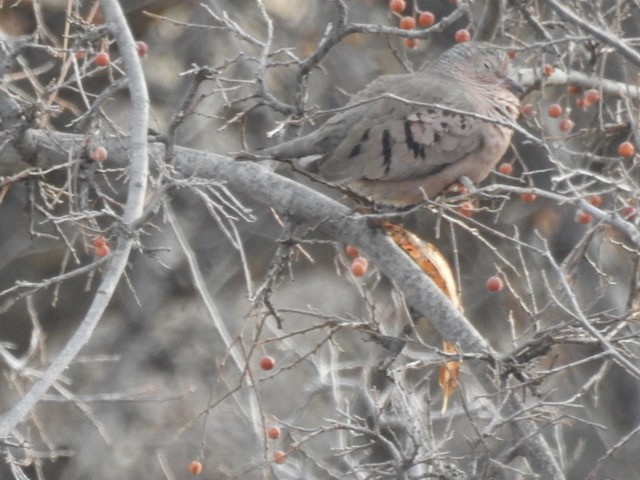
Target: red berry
{"points": [[359, 266], [99, 154], [142, 48], [554, 110], [462, 36], [591, 96], [99, 241], [101, 250], [580, 102], [583, 217], [512, 54], [407, 23], [410, 42], [351, 251], [274, 433], [195, 468], [528, 197], [466, 208], [279, 457], [547, 69], [595, 200], [267, 362], [505, 168], [426, 19], [566, 125], [626, 149], [397, 6], [527, 109], [628, 212], [101, 59], [80, 54], [494, 284], [573, 89]]}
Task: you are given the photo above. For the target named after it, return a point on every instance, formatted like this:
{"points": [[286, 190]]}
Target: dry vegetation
{"points": [[168, 311]]}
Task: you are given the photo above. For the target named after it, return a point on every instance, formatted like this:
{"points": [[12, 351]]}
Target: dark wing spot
{"points": [[436, 137], [355, 150], [444, 125], [365, 136], [386, 150], [415, 147], [431, 111]]}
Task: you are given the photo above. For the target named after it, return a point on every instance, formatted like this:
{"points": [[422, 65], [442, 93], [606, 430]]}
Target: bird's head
{"points": [[479, 62]]}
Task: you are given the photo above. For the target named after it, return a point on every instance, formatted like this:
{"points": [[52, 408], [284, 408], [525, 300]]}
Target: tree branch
{"points": [[134, 206]]}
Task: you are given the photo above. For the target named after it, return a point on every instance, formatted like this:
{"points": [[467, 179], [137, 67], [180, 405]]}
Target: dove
{"points": [[407, 137]]}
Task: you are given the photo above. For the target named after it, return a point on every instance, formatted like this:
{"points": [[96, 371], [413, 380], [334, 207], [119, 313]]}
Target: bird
{"points": [[408, 137]]}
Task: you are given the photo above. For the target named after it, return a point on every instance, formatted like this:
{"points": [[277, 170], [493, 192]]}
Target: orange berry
{"points": [[410, 42], [505, 168], [274, 433], [547, 69], [595, 200], [99, 241], [554, 110], [527, 109], [142, 48], [267, 363], [591, 96], [426, 19], [462, 36], [101, 250], [466, 208], [99, 154], [351, 251], [101, 59], [626, 149], [583, 217], [407, 23], [397, 6], [566, 125], [528, 197], [494, 284], [195, 468], [359, 266], [573, 89], [279, 457]]}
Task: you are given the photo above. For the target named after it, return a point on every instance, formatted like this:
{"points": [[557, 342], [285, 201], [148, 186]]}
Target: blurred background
{"points": [[174, 375]]}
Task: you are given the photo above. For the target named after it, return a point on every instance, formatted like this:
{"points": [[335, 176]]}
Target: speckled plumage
{"points": [[396, 151]]}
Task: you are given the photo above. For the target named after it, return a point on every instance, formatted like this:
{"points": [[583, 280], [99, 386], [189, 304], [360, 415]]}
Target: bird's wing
{"points": [[389, 139]]}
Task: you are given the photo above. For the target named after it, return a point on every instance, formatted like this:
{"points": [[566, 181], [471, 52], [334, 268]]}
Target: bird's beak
{"points": [[513, 86]]}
